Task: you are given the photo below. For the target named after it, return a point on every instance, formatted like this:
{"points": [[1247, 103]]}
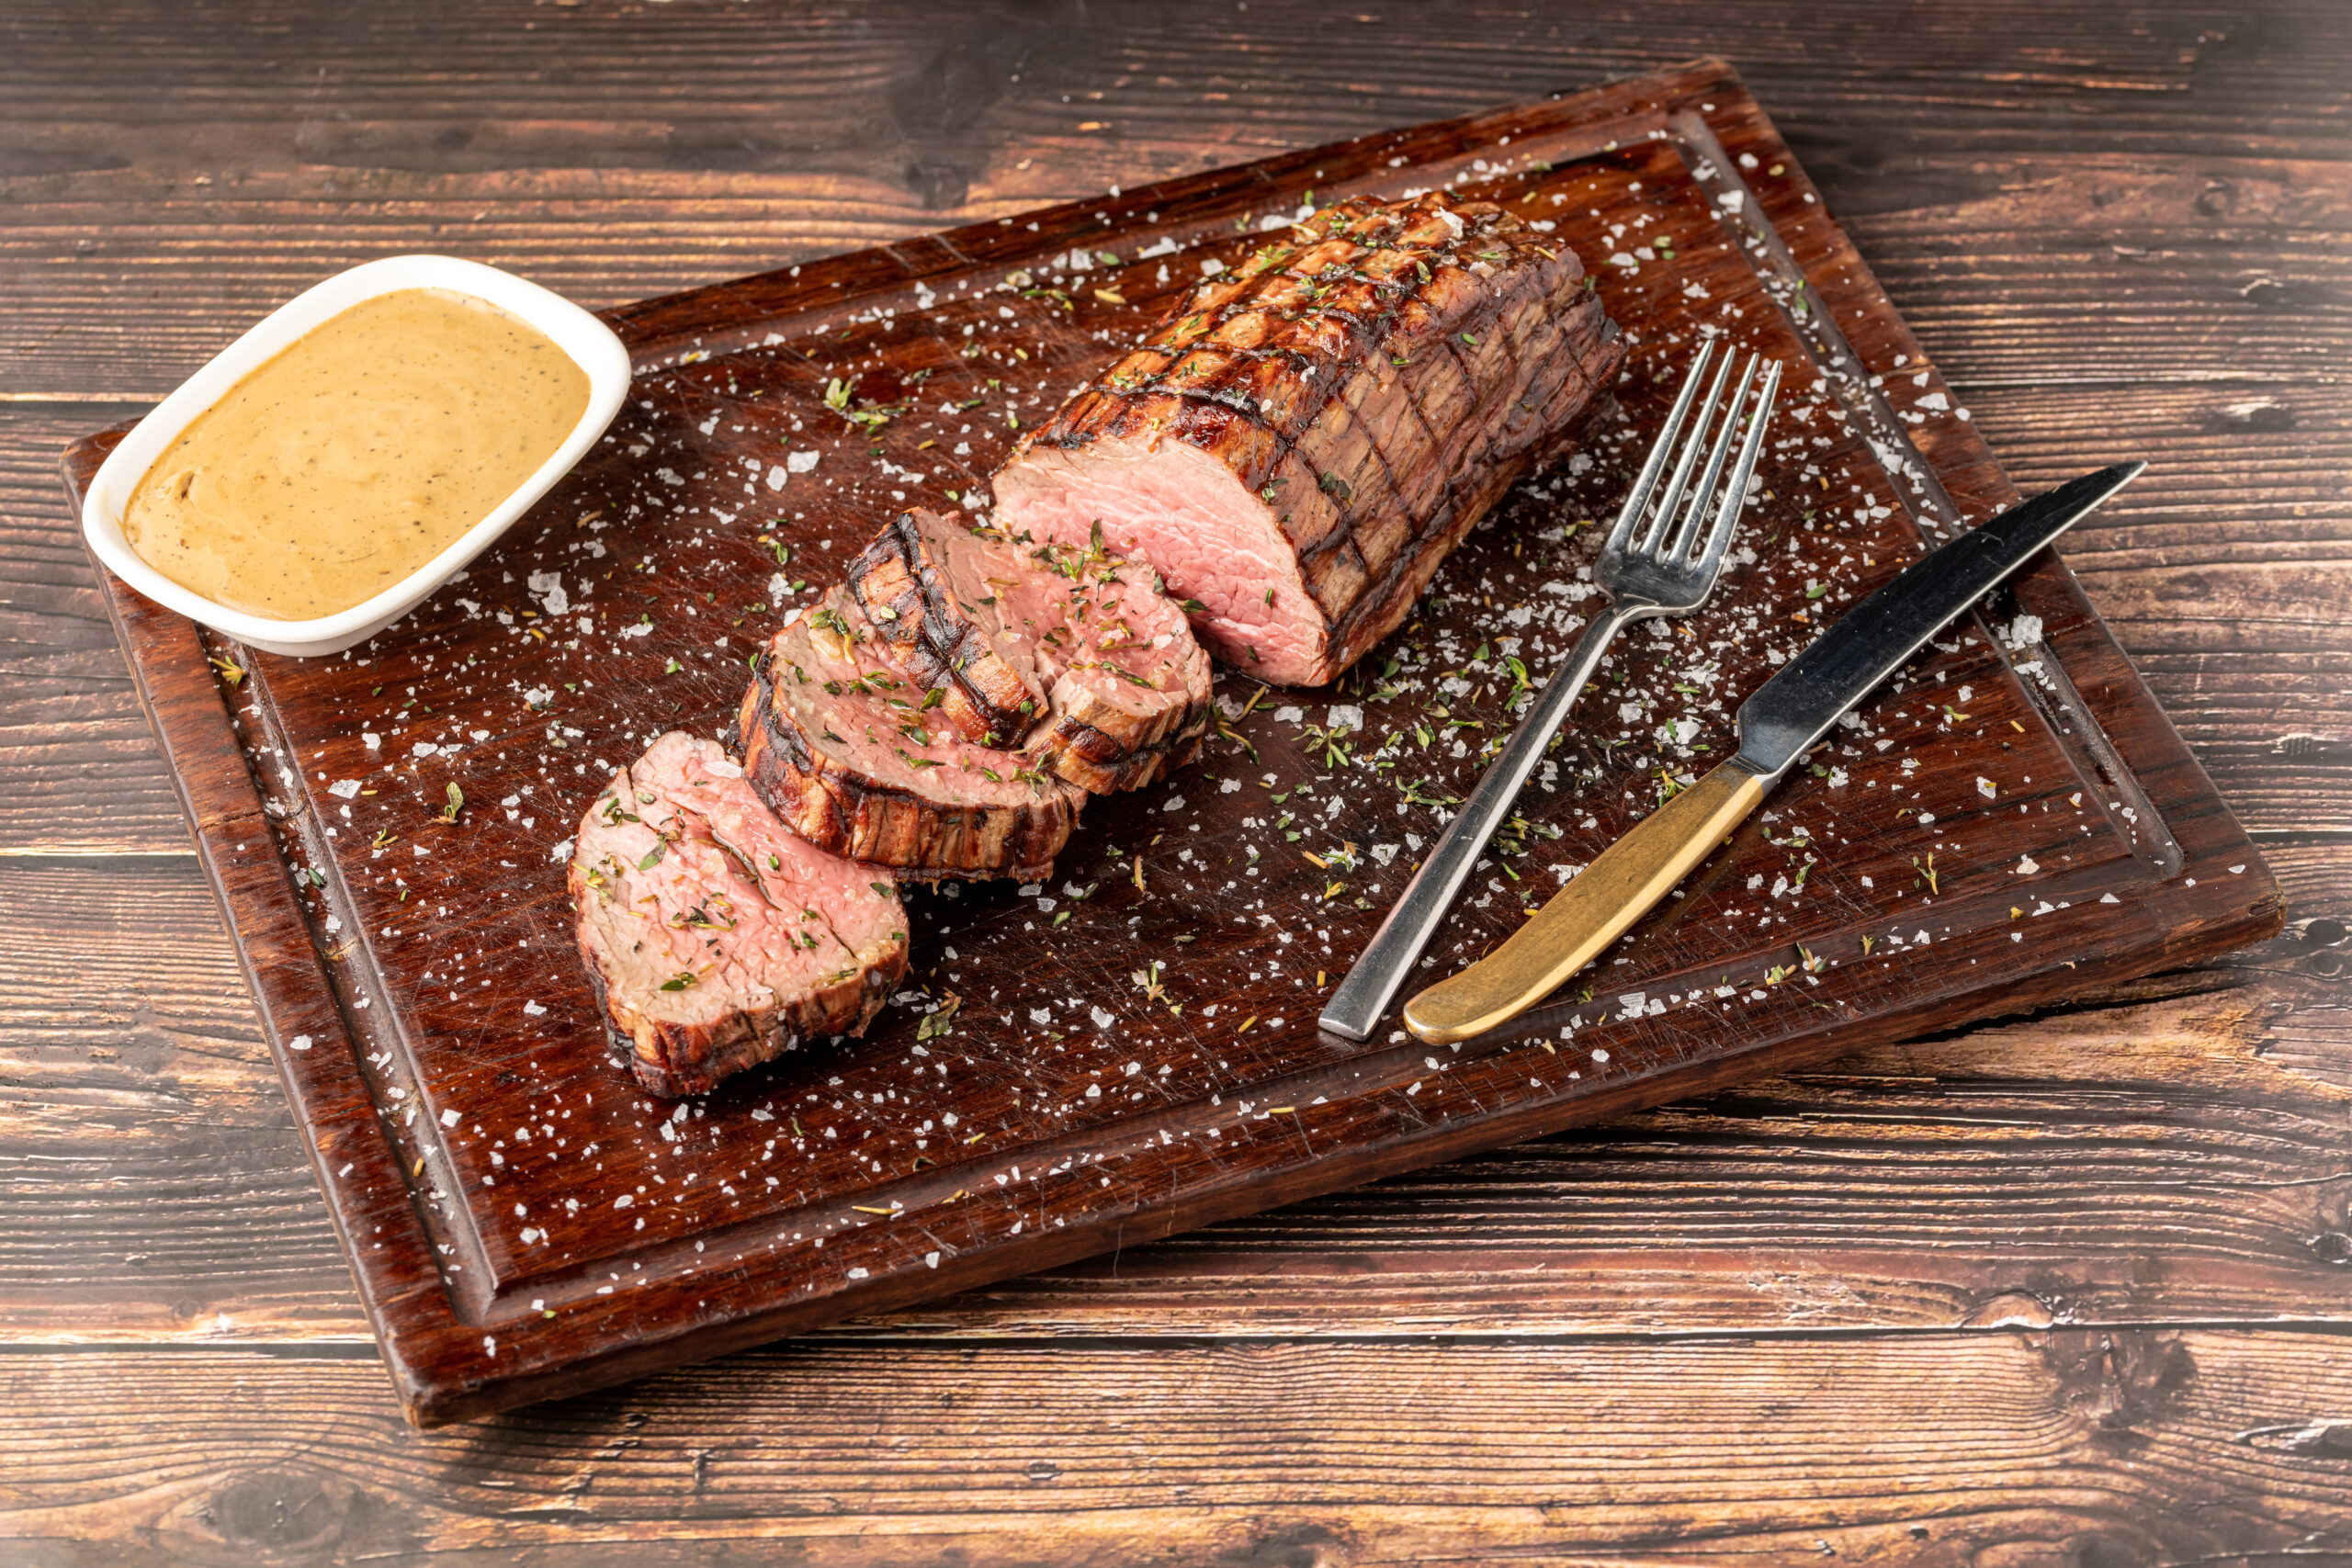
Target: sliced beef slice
{"points": [[1125, 686], [1300, 444], [931, 605], [716, 939], [859, 759], [1127, 683]]}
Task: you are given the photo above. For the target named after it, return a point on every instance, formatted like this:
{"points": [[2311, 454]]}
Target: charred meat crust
{"points": [[673, 1062], [937, 639], [1368, 376], [1568, 407], [1086, 757], [824, 798]]}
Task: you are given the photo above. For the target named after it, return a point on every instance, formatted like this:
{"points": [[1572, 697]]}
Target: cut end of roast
{"points": [[1214, 542], [714, 938]]}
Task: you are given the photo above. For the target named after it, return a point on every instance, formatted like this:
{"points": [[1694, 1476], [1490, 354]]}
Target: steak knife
{"points": [[1778, 725]]}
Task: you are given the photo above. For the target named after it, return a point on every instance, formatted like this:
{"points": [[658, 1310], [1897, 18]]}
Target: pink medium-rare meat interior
{"points": [[1180, 509], [1129, 682], [756, 917], [1086, 622]]}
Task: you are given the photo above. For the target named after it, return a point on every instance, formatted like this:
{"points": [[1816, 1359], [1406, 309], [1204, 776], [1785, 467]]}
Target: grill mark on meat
{"points": [[1458, 510], [1376, 334], [927, 807], [1106, 766], [1349, 464], [1282, 371], [1378, 612], [1125, 688], [1416, 477], [946, 641], [1339, 579]]}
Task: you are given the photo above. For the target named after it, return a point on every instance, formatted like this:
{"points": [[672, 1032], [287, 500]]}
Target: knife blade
{"points": [[1780, 722], [1777, 724]]}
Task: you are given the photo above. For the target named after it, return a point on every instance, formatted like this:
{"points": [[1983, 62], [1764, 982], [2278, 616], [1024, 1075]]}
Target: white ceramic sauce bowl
{"points": [[588, 341]]}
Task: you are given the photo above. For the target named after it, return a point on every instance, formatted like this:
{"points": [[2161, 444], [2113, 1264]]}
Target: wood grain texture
{"points": [[79, 754], [2102, 1447], [297, 142], [2253, 558]]}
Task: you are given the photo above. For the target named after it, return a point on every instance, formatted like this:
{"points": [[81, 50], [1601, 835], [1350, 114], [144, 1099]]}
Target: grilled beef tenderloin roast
{"points": [[1302, 441], [1294, 450]]}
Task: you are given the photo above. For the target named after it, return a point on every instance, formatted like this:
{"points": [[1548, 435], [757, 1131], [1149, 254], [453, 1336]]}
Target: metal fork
{"points": [[1659, 559]]}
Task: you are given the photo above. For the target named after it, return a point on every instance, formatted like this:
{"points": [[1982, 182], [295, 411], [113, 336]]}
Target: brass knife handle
{"points": [[1591, 911]]}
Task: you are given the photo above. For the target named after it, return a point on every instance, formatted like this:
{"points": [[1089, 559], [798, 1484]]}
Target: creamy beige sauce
{"points": [[356, 454]]}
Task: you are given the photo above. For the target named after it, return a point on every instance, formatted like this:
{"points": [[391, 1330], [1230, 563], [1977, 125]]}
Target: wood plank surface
{"points": [[2172, 392], [2118, 1447], [83, 772], [2084, 269], [294, 147], [2087, 148]]}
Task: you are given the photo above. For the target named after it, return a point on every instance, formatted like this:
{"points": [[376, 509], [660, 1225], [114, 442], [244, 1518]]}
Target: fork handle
{"points": [[1366, 990], [1592, 911]]}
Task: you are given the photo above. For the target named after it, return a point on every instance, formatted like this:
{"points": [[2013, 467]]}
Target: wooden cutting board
{"points": [[1130, 1049]]}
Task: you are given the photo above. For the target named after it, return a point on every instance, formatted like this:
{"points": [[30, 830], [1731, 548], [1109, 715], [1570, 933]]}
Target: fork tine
{"points": [[1735, 494], [1660, 448], [1646, 542], [1677, 545]]}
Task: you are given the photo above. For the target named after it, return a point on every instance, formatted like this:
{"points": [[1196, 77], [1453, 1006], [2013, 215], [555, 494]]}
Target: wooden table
{"points": [[2070, 1290]]}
